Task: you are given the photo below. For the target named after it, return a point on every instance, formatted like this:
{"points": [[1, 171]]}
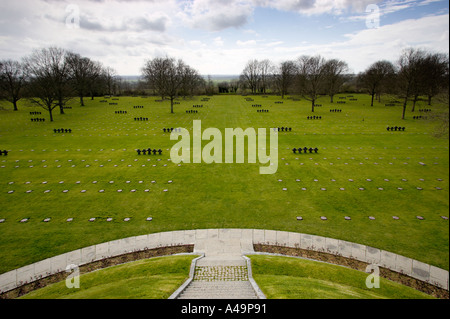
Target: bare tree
{"points": [[334, 76], [42, 91], [375, 77], [48, 72], [13, 77], [165, 76], [266, 70], [409, 78], [311, 77], [284, 77], [83, 72], [109, 78], [51, 63], [251, 76], [436, 68], [191, 81], [94, 80]]}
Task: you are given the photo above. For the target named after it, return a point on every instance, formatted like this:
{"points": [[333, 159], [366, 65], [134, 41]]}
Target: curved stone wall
{"points": [[243, 238]]}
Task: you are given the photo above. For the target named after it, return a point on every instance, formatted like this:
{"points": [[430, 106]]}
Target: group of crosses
{"points": [[5, 152], [282, 129], [149, 151], [396, 128], [61, 130], [305, 150]]}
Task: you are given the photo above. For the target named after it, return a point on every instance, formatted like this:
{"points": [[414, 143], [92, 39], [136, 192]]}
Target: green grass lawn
{"points": [[353, 144], [154, 278], [294, 278]]}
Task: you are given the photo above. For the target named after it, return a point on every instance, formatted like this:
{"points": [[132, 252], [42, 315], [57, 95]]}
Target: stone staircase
{"points": [[223, 272], [220, 279]]}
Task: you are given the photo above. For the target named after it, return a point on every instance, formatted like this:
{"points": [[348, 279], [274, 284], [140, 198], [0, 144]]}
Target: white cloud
{"points": [[122, 34], [218, 41], [246, 43], [315, 7], [216, 15], [362, 48], [275, 43]]}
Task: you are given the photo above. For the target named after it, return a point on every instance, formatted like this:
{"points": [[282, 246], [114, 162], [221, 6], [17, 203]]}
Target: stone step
{"points": [[219, 290]]}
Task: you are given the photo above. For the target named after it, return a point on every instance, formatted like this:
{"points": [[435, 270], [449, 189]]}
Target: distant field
{"points": [[77, 175]]}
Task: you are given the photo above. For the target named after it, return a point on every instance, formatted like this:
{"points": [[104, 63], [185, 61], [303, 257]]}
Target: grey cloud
{"points": [[221, 21], [89, 24], [158, 24], [127, 24]]}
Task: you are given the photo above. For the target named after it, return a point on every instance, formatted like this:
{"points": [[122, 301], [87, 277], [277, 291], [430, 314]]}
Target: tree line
{"points": [[49, 77], [416, 73]]}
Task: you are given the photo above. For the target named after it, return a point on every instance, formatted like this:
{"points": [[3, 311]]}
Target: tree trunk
{"points": [[61, 106], [171, 105], [81, 100], [373, 95], [429, 100], [404, 108], [15, 105], [313, 103], [331, 98], [414, 103], [51, 115]]}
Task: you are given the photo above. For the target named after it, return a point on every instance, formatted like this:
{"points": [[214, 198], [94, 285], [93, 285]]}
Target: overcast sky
{"points": [[220, 36]]}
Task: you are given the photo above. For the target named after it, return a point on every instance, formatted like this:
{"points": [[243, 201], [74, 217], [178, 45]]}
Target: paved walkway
{"points": [[222, 273]]}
